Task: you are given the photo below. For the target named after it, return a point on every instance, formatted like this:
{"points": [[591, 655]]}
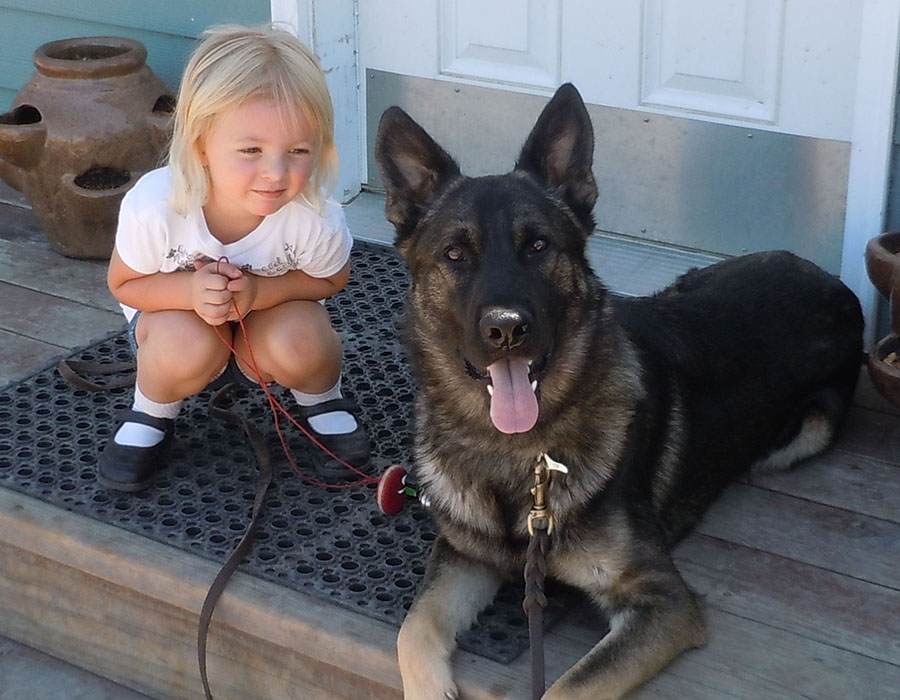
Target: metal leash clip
{"points": [[540, 516]]}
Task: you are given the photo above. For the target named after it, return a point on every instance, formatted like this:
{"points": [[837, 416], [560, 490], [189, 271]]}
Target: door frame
{"points": [[868, 179], [328, 27], [318, 22]]}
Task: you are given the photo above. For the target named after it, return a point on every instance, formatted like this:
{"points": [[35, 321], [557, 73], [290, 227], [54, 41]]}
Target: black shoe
{"points": [[352, 448], [129, 468]]}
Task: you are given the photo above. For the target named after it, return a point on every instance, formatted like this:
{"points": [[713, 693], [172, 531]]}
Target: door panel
{"points": [[515, 42], [723, 59]]}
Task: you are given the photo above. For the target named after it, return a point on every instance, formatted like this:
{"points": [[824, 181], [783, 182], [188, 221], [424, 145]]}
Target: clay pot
{"points": [[883, 268], [885, 377], [92, 120]]}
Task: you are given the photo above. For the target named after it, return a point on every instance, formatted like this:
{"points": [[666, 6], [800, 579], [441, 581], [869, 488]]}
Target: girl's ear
{"points": [[200, 149]]}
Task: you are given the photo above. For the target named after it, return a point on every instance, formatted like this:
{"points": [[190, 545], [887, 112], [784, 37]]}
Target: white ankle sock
{"points": [[138, 434], [333, 422]]}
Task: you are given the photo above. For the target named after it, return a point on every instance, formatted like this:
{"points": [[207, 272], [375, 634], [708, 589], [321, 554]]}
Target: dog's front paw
{"points": [[428, 681], [558, 693], [424, 663], [430, 685]]}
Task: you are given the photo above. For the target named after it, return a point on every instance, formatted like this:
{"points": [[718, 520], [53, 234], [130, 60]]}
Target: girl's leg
{"points": [[295, 346], [178, 354]]}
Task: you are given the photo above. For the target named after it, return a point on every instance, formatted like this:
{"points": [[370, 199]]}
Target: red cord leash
{"points": [[275, 406]]}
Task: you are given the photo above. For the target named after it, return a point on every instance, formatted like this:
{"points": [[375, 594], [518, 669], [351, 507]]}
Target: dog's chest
{"points": [[465, 495], [484, 518]]}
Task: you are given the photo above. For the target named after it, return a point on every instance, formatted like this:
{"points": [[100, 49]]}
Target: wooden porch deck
{"points": [[800, 571]]}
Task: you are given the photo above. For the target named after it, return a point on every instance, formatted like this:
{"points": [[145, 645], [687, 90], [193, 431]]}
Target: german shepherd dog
{"points": [[653, 404]]}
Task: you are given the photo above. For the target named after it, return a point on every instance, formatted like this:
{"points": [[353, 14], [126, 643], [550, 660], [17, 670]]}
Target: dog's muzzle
{"points": [[504, 332]]}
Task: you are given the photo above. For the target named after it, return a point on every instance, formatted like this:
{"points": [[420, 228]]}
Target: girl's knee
{"points": [[297, 344], [181, 344], [314, 345]]}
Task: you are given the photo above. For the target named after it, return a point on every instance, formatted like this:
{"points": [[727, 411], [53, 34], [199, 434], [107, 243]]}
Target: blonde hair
{"points": [[232, 65]]}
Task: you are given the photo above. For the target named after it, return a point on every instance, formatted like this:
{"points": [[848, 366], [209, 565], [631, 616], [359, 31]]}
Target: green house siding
{"points": [[166, 27]]}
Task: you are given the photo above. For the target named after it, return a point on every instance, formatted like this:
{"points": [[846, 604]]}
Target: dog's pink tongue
{"points": [[514, 407]]}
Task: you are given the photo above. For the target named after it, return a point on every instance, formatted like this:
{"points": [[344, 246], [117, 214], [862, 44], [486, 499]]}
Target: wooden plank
{"points": [[21, 356], [126, 607], [28, 673], [17, 221], [867, 396], [831, 538], [816, 604], [843, 480], [9, 196], [42, 270], [872, 434], [54, 320], [752, 661], [780, 630]]}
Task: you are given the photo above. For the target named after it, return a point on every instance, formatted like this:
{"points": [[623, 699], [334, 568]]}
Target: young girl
{"points": [[237, 225]]}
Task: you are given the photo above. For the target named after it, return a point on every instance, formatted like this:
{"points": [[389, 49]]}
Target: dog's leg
{"points": [[455, 590], [653, 619]]}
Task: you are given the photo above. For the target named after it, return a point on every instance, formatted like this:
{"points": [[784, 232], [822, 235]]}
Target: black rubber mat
{"points": [[327, 543]]}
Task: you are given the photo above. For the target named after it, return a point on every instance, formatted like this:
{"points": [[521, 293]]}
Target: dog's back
{"points": [[723, 335]]}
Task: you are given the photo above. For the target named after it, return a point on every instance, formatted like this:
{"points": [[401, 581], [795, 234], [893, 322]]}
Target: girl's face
{"points": [[257, 162]]}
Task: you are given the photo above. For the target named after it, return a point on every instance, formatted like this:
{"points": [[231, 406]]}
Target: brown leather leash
{"points": [[534, 603], [74, 372], [243, 547], [540, 527]]}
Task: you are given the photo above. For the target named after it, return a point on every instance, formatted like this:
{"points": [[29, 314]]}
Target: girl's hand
{"points": [[243, 293], [210, 297]]}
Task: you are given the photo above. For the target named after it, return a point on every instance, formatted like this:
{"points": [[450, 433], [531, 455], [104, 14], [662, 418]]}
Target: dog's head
{"points": [[499, 276]]}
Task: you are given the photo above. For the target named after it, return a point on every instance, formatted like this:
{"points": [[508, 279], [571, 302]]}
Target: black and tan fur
{"points": [[654, 404]]}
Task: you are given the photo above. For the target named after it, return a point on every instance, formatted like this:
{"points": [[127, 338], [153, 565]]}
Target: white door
{"points": [[722, 125]]}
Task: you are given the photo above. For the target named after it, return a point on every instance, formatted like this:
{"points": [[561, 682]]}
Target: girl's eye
{"points": [[539, 245], [252, 150], [453, 254], [300, 151]]}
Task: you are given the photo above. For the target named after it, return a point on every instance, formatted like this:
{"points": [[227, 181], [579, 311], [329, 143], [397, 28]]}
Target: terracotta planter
{"points": [[92, 119], [883, 268]]}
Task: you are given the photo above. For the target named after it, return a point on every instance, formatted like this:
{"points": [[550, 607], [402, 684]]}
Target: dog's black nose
{"points": [[503, 327]]}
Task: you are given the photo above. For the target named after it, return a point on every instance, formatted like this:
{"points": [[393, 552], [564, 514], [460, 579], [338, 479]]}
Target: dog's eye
{"points": [[453, 254], [539, 245]]}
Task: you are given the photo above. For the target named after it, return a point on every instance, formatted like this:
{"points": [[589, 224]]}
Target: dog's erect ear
{"points": [[560, 150], [413, 167]]}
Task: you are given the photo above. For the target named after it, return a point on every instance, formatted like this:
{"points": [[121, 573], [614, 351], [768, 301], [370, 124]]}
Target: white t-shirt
{"points": [[151, 237]]}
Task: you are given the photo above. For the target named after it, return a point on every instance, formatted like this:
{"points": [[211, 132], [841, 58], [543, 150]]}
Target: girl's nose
{"points": [[273, 167]]}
